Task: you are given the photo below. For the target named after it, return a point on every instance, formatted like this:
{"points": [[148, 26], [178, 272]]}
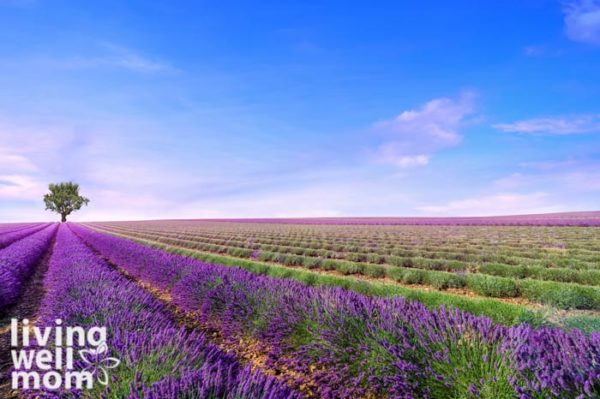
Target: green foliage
{"points": [[413, 276], [478, 366], [568, 298], [585, 323], [311, 263], [442, 281], [561, 295], [375, 258], [266, 256], [239, 252], [349, 268], [64, 198], [374, 271], [355, 257], [498, 287], [456, 265], [498, 269], [588, 277], [328, 264]]}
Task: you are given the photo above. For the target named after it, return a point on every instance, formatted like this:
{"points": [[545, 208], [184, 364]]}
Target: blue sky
{"points": [[275, 108]]}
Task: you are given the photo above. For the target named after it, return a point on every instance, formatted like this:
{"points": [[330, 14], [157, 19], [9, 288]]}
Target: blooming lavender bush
{"points": [[18, 260], [11, 236], [9, 227], [347, 345]]}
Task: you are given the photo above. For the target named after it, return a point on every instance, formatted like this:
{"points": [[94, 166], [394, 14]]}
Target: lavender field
{"points": [[317, 309]]}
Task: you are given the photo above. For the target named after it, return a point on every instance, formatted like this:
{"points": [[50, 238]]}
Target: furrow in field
{"points": [[353, 345]]}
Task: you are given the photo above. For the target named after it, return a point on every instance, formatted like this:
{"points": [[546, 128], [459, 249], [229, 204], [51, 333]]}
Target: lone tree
{"points": [[64, 198]]}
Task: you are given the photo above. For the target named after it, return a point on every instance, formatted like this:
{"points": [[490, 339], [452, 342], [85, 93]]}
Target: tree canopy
{"points": [[64, 198]]}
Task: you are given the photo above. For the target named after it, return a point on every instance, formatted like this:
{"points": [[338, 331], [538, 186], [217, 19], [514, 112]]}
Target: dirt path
{"points": [[25, 308]]}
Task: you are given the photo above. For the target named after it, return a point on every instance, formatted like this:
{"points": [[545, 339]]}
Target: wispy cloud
{"points": [[113, 56], [512, 181], [553, 125], [534, 51], [20, 187], [129, 59], [389, 155], [550, 164], [582, 21], [10, 161], [573, 177], [412, 136], [494, 204]]}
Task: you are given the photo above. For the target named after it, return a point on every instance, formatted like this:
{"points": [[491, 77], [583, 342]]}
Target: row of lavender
{"points": [[10, 227], [158, 359], [11, 236], [18, 260], [344, 344]]}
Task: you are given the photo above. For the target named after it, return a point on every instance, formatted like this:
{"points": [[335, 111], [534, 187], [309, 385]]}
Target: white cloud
{"points": [[553, 125], [20, 187], [494, 204], [10, 161], [570, 177], [412, 136], [512, 181], [582, 21], [390, 155]]}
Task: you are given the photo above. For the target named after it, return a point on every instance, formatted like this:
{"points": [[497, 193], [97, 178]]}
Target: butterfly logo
{"points": [[98, 362]]}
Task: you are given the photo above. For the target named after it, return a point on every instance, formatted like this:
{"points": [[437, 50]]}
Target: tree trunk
{"points": [[63, 217]]}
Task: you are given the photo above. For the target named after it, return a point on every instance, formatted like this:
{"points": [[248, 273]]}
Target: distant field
{"points": [[555, 266], [249, 309], [549, 219]]}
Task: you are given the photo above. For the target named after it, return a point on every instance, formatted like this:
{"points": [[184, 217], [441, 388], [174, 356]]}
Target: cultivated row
{"points": [[12, 236], [9, 227], [17, 263]]}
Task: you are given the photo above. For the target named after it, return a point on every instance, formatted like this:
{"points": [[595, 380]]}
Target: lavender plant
{"points": [[18, 260]]}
